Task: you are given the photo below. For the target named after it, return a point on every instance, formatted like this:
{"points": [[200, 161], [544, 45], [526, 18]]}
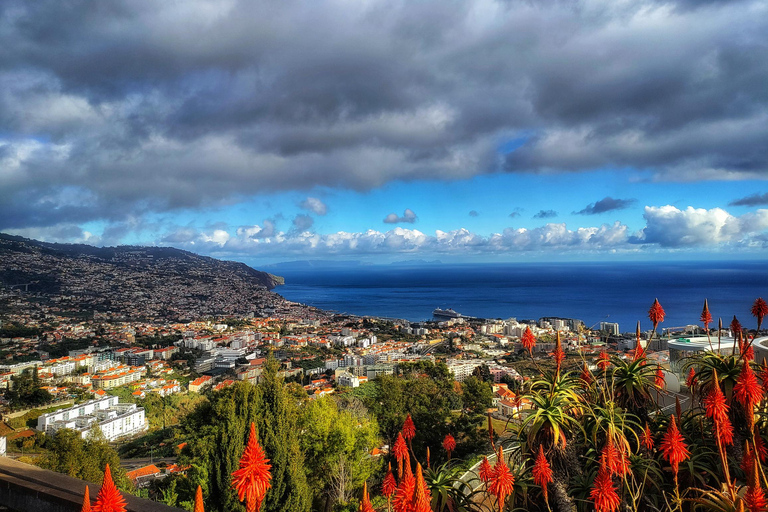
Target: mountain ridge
{"points": [[162, 282]]}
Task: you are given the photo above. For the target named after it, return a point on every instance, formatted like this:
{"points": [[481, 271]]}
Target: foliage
{"points": [[26, 391], [476, 394], [85, 458], [217, 432], [330, 434]]}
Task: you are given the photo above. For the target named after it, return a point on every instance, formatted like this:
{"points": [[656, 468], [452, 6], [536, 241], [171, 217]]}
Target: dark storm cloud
{"points": [[607, 204], [753, 200], [545, 214], [203, 102]]}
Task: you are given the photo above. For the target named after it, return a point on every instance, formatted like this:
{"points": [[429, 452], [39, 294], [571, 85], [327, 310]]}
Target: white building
{"points": [[347, 380], [113, 418], [462, 369]]}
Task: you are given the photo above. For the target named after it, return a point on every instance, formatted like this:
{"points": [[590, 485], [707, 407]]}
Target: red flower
{"points": [[558, 354], [614, 459], [542, 472], [251, 481], [365, 503], [755, 497], [109, 498], [86, 501], [759, 310], [717, 409], [646, 438], [690, 380], [449, 444], [658, 379], [603, 360], [603, 492], [199, 500], [503, 480], [528, 340], [586, 376], [486, 471], [409, 429], [422, 497], [673, 446], [747, 390], [639, 351], [403, 501], [706, 318], [401, 451], [389, 486], [735, 326], [656, 314]]}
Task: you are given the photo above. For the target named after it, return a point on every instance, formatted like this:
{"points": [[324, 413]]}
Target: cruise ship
{"points": [[446, 313]]}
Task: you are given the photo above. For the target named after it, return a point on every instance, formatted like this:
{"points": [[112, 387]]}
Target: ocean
{"points": [[591, 292]]}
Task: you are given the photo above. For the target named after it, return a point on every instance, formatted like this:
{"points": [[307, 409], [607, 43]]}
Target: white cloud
{"points": [[668, 226]]}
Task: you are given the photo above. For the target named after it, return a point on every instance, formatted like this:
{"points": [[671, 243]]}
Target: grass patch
{"points": [[29, 420]]}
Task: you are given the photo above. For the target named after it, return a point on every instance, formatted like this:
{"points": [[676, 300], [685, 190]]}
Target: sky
{"points": [[381, 131]]}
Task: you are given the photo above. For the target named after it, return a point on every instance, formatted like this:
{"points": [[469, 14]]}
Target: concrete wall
{"points": [[27, 487]]}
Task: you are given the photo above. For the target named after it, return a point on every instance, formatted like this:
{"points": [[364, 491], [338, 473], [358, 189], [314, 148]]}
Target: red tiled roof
{"points": [[145, 471]]}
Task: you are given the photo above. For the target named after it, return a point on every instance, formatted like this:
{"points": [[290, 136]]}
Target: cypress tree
{"points": [[221, 433]]}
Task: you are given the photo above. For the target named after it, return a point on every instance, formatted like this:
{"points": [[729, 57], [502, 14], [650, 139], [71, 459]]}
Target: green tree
{"points": [[428, 401], [337, 441], [85, 458], [477, 394], [218, 433], [25, 390], [483, 372]]}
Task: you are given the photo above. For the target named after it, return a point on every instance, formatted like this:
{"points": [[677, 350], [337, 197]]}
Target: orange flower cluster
{"points": [[656, 314], [389, 486], [603, 493], [603, 360], [759, 311], [409, 429], [365, 503], [706, 317], [401, 452], [716, 409], [747, 390], [646, 439], [252, 479], [528, 340], [449, 444], [109, 498], [502, 480], [673, 446], [485, 471]]}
